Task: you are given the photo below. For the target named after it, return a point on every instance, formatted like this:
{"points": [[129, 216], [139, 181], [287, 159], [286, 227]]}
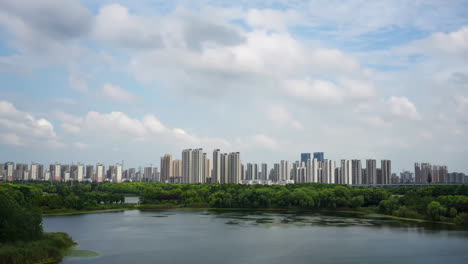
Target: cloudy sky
{"points": [[105, 81]]}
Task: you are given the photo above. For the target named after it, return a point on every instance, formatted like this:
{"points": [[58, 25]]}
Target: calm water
{"points": [[199, 236]]}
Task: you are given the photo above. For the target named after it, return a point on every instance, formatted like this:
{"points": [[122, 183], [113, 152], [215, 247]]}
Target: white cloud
{"points": [[281, 117], [358, 88], [117, 94], [314, 90], [403, 107], [22, 128]]}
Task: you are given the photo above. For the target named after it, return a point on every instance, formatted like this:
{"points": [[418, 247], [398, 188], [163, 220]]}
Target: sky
{"points": [[106, 81]]}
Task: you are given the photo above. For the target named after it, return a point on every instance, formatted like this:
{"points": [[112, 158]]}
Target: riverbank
{"points": [[361, 212], [50, 248], [100, 209]]}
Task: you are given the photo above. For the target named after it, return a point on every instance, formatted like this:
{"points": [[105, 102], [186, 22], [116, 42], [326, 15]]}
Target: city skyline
{"points": [[195, 166], [113, 80]]}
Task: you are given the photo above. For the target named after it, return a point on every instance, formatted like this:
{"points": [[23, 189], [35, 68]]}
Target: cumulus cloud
{"points": [[22, 128], [117, 94], [403, 107]]}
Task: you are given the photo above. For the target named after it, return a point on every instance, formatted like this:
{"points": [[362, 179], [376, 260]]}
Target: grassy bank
{"points": [[50, 248], [99, 209]]}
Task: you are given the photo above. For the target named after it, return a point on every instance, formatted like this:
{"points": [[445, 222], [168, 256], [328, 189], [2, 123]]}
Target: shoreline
{"points": [[362, 213]]}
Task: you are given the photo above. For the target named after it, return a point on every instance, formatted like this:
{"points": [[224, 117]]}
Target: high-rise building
{"points": [[177, 171], [197, 166], [224, 168], [79, 172], [166, 168], [312, 168], [264, 172], [284, 173], [90, 172], [10, 171], [206, 168], [252, 171], [406, 177], [216, 175], [187, 170], [99, 175], [20, 171], [357, 171], [275, 175], [234, 167], [118, 173], [371, 171], [346, 172], [305, 157], [148, 175], [55, 172], [329, 172], [34, 175], [386, 166], [2, 171], [319, 156]]}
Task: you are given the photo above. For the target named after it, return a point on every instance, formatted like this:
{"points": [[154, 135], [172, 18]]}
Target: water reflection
{"points": [[336, 219]]}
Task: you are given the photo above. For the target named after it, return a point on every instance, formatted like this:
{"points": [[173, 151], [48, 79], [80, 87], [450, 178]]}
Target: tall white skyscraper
{"points": [[346, 172], [10, 171], [329, 171], [284, 171], [216, 175], [187, 170], [99, 175], [34, 175], [118, 172], [80, 172]]}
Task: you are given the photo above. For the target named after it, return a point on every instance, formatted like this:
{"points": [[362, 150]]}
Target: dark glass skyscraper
{"points": [[305, 157], [319, 156]]}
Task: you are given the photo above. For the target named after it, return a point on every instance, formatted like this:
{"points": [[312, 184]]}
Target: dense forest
{"points": [[435, 203], [21, 237]]}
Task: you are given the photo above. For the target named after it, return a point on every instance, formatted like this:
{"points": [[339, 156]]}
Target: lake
{"points": [[202, 236]]}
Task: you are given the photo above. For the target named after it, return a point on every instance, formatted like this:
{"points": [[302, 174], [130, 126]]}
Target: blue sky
{"points": [[105, 81]]}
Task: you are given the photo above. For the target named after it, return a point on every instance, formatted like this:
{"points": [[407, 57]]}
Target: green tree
{"points": [[435, 210]]}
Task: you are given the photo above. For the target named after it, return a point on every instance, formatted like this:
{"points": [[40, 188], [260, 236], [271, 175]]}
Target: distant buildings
{"points": [[305, 157], [319, 156], [197, 167]]}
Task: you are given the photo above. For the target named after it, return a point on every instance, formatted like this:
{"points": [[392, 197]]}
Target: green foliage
{"points": [[462, 219], [389, 206], [404, 202], [452, 212], [51, 246], [357, 201], [19, 218], [435, 210]]}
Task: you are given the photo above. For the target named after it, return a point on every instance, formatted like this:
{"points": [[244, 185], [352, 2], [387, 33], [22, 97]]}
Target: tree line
{"points": [[437, 203]]}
